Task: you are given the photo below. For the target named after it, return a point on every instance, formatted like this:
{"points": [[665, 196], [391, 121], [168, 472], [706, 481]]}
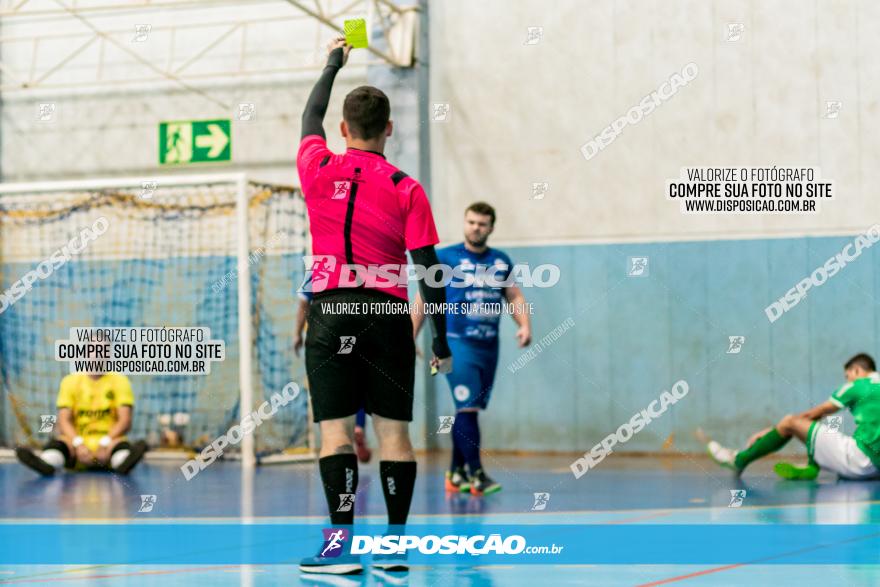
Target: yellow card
{"points": [[356, 32]]}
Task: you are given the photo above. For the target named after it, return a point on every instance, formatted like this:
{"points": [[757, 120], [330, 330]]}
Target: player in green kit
{"points": [[852, 457]]}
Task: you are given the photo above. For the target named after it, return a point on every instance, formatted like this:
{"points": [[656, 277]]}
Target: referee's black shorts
{"points": [[360, 353]]}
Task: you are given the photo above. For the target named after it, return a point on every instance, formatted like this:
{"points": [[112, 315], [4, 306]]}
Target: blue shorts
{"points": [[473, 373]]}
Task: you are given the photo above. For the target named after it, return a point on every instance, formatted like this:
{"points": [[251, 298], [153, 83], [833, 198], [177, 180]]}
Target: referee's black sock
{"points": [[339, 474], [398, 481]]}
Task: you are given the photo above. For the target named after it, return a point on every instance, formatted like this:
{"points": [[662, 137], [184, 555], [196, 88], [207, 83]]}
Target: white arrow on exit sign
{"points": [[216, 141]]}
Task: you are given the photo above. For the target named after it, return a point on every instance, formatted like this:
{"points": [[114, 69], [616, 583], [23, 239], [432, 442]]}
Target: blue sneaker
{"points": [[334, 556], [344, 564], [395, 563], [393, 569]]}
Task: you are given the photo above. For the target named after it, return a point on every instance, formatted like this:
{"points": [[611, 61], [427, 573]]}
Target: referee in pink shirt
{"points": [[360, 351]]}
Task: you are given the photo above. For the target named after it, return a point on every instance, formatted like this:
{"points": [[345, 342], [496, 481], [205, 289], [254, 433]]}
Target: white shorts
{"points": [[835, 451]]}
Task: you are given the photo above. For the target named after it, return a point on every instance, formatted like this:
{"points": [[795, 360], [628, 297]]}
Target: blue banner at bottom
{"points": [[437, 544]]}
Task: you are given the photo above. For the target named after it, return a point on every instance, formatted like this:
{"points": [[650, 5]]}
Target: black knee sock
{"points": [[467, 435], [339, 474], [457, 456], [398, 481]]}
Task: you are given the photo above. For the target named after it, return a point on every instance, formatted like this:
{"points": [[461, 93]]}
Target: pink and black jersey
{"points": [[363, 212]]}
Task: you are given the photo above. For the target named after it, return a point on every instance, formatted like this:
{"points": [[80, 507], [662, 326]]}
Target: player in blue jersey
{"points": [[472, 333], [364, 454]]}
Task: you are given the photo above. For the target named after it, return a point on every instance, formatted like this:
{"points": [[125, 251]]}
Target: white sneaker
{"points": [[724, 456]]}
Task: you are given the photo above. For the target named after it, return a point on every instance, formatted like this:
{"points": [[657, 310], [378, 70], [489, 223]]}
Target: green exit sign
{"points": [[194, 141]]}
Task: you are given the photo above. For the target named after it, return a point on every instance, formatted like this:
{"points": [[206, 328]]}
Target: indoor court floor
{"points": [[622, 491]]}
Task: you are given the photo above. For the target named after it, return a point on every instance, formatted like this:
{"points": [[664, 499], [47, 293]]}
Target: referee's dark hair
{"points": [[864, 361], [482, 208], [366, 110]]}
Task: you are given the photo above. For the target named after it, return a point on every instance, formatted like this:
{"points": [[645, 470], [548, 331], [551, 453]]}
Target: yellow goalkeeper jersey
{"points": [[94, 402]]}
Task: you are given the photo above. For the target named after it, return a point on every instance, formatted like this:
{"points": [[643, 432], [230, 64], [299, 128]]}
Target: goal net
{"points": [[166, 253]]}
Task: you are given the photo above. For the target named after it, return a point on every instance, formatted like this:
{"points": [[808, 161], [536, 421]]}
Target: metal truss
{"points": [[102, 49], [390, 18]]}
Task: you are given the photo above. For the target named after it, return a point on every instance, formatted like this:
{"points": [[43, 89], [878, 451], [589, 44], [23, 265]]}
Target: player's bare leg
{"points": [[336, 436], [364, 454]]}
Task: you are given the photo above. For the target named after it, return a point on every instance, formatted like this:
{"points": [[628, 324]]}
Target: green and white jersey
{"points": [[862, 398]]}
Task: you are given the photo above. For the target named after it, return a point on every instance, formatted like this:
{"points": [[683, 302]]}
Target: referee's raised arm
{"points": [[316, 107]]}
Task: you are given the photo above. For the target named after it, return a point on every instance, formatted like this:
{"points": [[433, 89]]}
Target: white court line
{"points": [[413, 518]]}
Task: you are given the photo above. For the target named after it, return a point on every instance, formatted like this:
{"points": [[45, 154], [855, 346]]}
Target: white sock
{"points": [[53, 456], [118, 457]]}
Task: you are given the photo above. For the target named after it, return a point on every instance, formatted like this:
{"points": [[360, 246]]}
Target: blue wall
{"points": [[632, 338], [635, 336]]}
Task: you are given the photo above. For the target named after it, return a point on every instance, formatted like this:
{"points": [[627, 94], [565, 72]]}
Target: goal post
{"points": [[172, 250], [245, 381]]}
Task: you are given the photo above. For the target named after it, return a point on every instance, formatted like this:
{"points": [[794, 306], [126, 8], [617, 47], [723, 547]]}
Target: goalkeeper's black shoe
{"points": [[32, 460], [136, 453]]}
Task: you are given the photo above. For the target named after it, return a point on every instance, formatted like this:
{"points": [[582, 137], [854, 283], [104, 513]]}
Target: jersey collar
{"points": [[467, 251], [365, 152]]}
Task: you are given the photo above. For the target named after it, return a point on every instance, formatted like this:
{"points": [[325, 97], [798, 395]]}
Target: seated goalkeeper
{"points": [[94, 414], [851, 457]]}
